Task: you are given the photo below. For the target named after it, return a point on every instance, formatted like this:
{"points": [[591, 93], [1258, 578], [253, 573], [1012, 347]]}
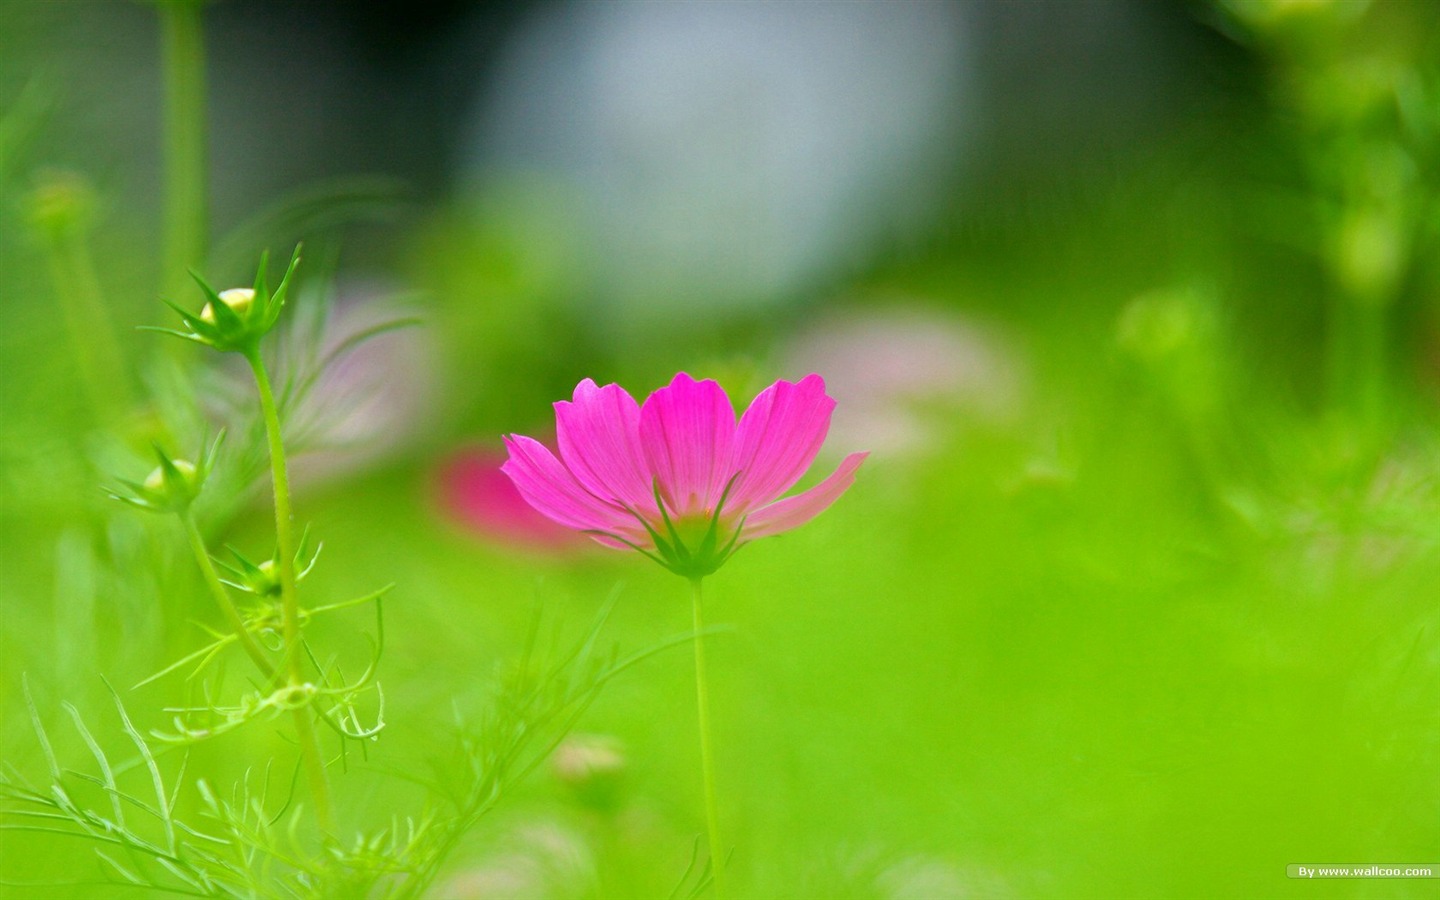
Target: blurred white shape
{"points": [[732, 153], [371, 397], [536, 861], [901, 376], [927, 878]]}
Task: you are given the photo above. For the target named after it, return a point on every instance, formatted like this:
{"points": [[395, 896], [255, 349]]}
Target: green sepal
{"points": [[672, 550], [276, 302], [175, 489], [262, 582], [235, 331]]}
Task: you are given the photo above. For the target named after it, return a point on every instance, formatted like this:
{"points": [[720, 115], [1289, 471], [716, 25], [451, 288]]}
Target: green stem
{"points": [[289, 603], [92, 334], [222, 597], [1357, 353], [707, 761], [284, 518], [185, 150]]}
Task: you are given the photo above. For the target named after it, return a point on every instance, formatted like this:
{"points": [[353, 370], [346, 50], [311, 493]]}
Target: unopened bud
{"points": [[1370, 254], [238, 299], [174, 489], [267, 582], [171, 486], [155, 481], [1156, 325], [234, 321], [62, 204], [592, 766]]}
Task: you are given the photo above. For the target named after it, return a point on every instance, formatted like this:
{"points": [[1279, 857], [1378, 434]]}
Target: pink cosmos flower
{"points": [[677, 478]]}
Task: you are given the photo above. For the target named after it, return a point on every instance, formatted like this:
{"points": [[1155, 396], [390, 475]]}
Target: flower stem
{"points": [[1358, 340], [289, 604], [92, 333], [222, 597], [185, 151], [707, 762]]}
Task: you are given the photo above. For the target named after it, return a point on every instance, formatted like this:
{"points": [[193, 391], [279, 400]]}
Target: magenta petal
{"points": [[777, 440], [599, 438], [687, 431], [792, 512], [551, 489]]}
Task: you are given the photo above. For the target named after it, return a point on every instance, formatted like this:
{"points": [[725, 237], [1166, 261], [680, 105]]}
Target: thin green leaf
{"points": [[161, 798], [207, 650], [40, 734], [102, 761]]}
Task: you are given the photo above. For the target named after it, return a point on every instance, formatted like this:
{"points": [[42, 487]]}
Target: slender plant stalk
{"points": [[92, 333], [1357, 345], [222, 597], [290, 605], [186, 203], [707, 762]]}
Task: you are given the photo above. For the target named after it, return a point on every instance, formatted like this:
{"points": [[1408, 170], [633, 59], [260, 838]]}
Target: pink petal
{"points": [[550, 488], [792, 512], [599, 437], [686, 431], [777, 440]]}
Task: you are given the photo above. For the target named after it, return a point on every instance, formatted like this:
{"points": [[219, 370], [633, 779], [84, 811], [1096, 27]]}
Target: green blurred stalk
{"points": [[707, 758], [59, 219], [1356, 353], [186, 202]]}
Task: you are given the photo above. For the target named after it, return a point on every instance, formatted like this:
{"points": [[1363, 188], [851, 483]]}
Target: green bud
{"points": [[1157, 326], [239, 300], [234, 321], [593, 767], [160, 478], [1369, 255], [62, 204], [171, 486], [268, 577], [263, 578], [1174, 337]]}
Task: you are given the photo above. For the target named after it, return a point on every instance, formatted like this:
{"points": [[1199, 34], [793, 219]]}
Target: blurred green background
{"points": [[1137, 305]]}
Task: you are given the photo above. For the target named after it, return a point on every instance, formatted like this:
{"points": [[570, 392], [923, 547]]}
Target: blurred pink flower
{"points": [[904, 376], [677, 479], [476, 494]]}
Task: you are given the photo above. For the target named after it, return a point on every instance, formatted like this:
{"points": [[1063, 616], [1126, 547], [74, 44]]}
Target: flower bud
{"points": [[234, 321], [1174, 336], [240, 301], [174, 486], [267, 581], [61, 205], [592, 766], [1157, 326], [1369, 255], [155, 481], [263, 578]]}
